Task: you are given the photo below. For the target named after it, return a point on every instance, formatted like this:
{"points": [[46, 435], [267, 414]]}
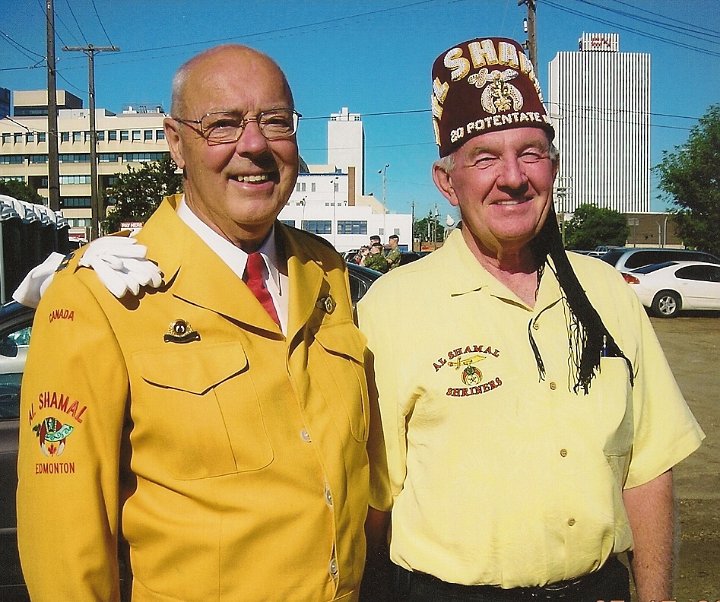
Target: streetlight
{"points": [[334, 225], [383, 171]]}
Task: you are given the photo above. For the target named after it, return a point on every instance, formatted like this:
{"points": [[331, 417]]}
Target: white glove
{"points": [[121, 265], [37, 280]]}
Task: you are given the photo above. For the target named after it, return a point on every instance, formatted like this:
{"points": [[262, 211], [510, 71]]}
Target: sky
{"points": [[373, 57]]}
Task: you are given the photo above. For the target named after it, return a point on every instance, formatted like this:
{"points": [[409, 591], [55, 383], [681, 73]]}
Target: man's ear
{"points": [[443, 181], [172, 135]]}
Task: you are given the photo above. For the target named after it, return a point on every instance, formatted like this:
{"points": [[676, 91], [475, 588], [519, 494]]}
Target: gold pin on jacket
{"points": [[327, 304], [180, 331]]}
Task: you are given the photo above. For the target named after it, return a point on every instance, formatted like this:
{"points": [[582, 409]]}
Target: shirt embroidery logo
{"points": [[464, 360], [51, 434]]}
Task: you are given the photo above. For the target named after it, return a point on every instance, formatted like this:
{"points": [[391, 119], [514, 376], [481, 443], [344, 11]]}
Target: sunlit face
{"points": [[502, 184], [236, 188]]}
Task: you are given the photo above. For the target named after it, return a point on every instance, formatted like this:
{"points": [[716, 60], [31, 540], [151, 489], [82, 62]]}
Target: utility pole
{"points": [[53, 164], [531, 44], [96, 205]]}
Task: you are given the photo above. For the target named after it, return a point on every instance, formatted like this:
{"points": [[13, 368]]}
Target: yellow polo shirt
{"points": [[495, 475]]}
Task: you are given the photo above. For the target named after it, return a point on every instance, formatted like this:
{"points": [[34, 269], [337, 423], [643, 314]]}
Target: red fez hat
{"points": [[481, 86]]}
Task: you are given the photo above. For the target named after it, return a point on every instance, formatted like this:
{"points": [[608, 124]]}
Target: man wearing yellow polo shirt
{"points": [[531, 427]]}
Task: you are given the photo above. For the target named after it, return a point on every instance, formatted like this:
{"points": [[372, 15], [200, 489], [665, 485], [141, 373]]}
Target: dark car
{"points": [[15, 328]]}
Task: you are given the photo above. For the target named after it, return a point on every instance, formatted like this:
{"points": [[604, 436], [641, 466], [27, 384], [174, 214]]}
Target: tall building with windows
{"points": [[600, 104], [128, 139]]}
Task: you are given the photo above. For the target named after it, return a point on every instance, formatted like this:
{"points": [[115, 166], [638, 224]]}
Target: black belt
{"points": [[573, 589]]}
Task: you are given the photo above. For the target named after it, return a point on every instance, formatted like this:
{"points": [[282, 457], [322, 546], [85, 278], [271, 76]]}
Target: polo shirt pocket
{"points": [[189, 396], [342, 374], [615, 413]]}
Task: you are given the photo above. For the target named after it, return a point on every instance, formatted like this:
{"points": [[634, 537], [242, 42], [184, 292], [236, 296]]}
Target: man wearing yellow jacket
{"points": [[217, 424]]}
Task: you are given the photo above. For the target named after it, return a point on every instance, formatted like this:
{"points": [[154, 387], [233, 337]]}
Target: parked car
{"points": [[669, 287], [625, 259], [15, 330]]}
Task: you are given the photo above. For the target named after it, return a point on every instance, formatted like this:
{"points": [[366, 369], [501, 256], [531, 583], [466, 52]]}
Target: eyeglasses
{"points": [[224, 127]]}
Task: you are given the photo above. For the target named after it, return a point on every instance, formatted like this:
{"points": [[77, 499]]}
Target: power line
{"points": [[101, 23], [76, 23], [633, 30]]}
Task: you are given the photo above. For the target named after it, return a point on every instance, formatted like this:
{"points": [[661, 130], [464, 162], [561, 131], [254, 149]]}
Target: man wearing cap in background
{"points": [[531, 427]]}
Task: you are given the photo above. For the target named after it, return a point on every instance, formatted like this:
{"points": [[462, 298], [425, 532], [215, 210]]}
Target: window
{"points": [[140, 157], [100, 135], [77, 136], [136, 135], [705, 273], [6, 137], [35, 159], [288, 222], [11, 159], [108, 157], [112, 134], [30, 137], [18, 138], [42, 137], [64, 136], [74, 179], [82, 202], [336, 186], [302, 187], [148, 135], [74, 158], [16, 179], [159, 134], [352, 227], [124, 135], [312, 187], [317, 226]]}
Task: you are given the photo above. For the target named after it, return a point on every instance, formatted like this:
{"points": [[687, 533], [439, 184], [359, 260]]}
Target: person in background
{"points": [[216, 420], [393, 254], [532, 425], [376, 260]]}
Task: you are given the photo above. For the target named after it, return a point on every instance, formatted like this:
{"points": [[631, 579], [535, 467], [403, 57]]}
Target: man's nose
{"points": [[251, 139], [512, 173]]}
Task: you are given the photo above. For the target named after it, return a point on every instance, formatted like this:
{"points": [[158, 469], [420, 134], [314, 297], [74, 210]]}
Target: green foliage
{"points": [[20, 191], [138, 192], [690, 176], [429, 229], [591, 226]]}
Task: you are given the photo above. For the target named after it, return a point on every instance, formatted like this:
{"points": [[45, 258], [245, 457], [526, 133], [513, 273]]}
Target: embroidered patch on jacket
{"points": [[52, 434], [466, 362]]}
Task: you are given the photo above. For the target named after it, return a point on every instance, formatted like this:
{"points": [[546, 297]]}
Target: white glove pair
{"points": [[119, 262]]}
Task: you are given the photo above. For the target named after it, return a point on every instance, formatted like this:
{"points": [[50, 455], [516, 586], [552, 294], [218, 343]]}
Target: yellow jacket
{"points": [[232, 458]]}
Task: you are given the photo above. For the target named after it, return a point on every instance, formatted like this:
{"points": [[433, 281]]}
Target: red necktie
{"points": [[256, 283]]}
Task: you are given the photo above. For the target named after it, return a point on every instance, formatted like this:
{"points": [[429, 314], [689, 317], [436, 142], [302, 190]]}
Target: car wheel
{"points": [[666, 304]]}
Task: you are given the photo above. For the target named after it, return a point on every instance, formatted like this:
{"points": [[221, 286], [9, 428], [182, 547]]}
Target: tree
{"points": [[20, 191], [137, 193], [591, 226], [690, 176], [429, 229]]}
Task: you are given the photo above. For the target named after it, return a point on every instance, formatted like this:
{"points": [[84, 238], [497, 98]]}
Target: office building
{"points": [[600, 104]]}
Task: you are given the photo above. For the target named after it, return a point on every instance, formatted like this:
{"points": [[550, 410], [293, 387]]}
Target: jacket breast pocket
{"points": [[196, 413], [342, 381]]}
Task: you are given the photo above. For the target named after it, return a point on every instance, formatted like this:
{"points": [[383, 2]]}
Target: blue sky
{"points": [[373, 57]]}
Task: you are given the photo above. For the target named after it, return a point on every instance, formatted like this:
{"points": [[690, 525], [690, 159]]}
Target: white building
{"points": [[600, 103], [329, 201]]}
